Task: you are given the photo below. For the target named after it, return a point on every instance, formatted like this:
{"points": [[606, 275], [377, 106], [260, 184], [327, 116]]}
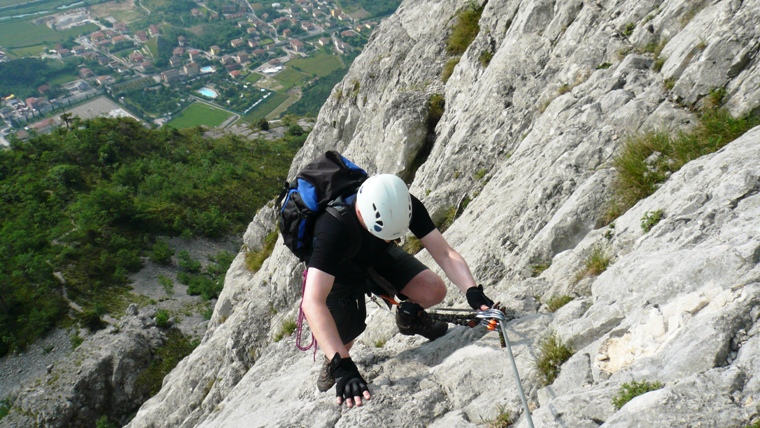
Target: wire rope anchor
{"points": [[491, 319]]}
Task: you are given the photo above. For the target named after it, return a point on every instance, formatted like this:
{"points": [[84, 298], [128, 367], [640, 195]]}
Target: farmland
{"points": [[199, 114], [266, 107], [18, 34], [321, 64], [290, 77]]}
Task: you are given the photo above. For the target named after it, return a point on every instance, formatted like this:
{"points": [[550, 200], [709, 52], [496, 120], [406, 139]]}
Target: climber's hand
{"points": [[478, 300], [350, 387]]}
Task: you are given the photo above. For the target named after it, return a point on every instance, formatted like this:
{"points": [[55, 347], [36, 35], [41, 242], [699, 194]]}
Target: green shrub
{"points": [[162, 253], [502, 420], [204, 286], [552, 354], [287, 328], [254, 259], [103, 422], [91, 319], [628, 30], [167, 284], [412, 245], [76, 340], [629, 391], [465, 29], [639, 175], [162, 318], [596, 263], [557, 302], [448, 68], [538, 268], [436, 105], [295, 130], [187, 263], [650, 219], [5, 408], [165, 358], [485, 58]]}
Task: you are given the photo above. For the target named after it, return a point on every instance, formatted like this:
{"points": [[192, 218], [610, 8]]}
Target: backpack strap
{"points": [[342, 212]]}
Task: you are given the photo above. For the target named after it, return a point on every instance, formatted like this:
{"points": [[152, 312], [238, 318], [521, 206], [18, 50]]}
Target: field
{"points": [[18, 34], [152, 45], [98, 107], [266, 107], [123, 10], [290, 77], [253, 78], [321, 64], [199, 114]]}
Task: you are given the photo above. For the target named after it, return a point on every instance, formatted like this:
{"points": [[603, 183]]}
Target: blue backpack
{"points": [[327, 184]]}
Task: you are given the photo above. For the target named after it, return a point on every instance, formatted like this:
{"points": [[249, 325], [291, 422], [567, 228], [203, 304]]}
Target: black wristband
{"points": [[477, 298]]}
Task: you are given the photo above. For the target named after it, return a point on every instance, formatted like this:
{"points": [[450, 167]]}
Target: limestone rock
{"points": [[528, 140]]}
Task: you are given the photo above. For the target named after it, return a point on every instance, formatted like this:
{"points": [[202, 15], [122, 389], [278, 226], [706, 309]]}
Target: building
{"points": [[86, 73], [175, 61], [192, 69], [33, 103], [242, 57], [142, 36], [170, 76], [104, 80], [136, 57], [153, 30], [237, 43], [235, 74], [181, 40], [324, 41], [297, 45], [195, 55], [178, 51], [215, 50]]}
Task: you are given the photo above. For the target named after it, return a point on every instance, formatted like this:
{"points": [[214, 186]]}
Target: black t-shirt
{"points": [[331, 242]]}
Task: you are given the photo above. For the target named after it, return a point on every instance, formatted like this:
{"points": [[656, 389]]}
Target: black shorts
{"points": [[392, 271]]}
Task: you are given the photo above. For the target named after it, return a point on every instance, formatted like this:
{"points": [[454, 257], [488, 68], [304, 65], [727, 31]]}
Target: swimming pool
{"points": [[207, 92], [207, 69]]}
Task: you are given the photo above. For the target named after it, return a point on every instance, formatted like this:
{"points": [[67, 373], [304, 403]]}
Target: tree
{"points": [[66, 118], [295, 130], [263, 124]]}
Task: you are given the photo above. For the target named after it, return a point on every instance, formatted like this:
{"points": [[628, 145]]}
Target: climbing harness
{"points": [[492, 319]]}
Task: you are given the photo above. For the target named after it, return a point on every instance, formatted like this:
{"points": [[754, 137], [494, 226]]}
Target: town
{"points": [[187, 64]]}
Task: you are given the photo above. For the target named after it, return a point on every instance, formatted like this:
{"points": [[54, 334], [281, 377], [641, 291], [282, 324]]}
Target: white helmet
{"points": [[385, 205]]}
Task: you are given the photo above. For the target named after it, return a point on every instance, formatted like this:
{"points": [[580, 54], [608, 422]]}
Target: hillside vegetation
{"points": [[87, 204]]}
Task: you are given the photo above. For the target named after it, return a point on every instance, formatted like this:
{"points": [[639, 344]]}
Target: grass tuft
{"points": [[254, 259], [629, 391], [465, 29], [557, 302], [552, 354], [287, 328], [448, 69], [596, 263], [647, 160], [502, 420], [650, 219]]}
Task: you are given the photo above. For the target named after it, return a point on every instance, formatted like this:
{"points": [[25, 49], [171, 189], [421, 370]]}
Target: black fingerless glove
{"points": [[476, 298], [348, 382]]}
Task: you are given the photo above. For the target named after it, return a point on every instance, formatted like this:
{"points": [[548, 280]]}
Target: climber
{"points": [[333, 299]]}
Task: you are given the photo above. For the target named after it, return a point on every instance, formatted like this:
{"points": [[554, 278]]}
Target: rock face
{"points": [[99, 379], [527, 138]]}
